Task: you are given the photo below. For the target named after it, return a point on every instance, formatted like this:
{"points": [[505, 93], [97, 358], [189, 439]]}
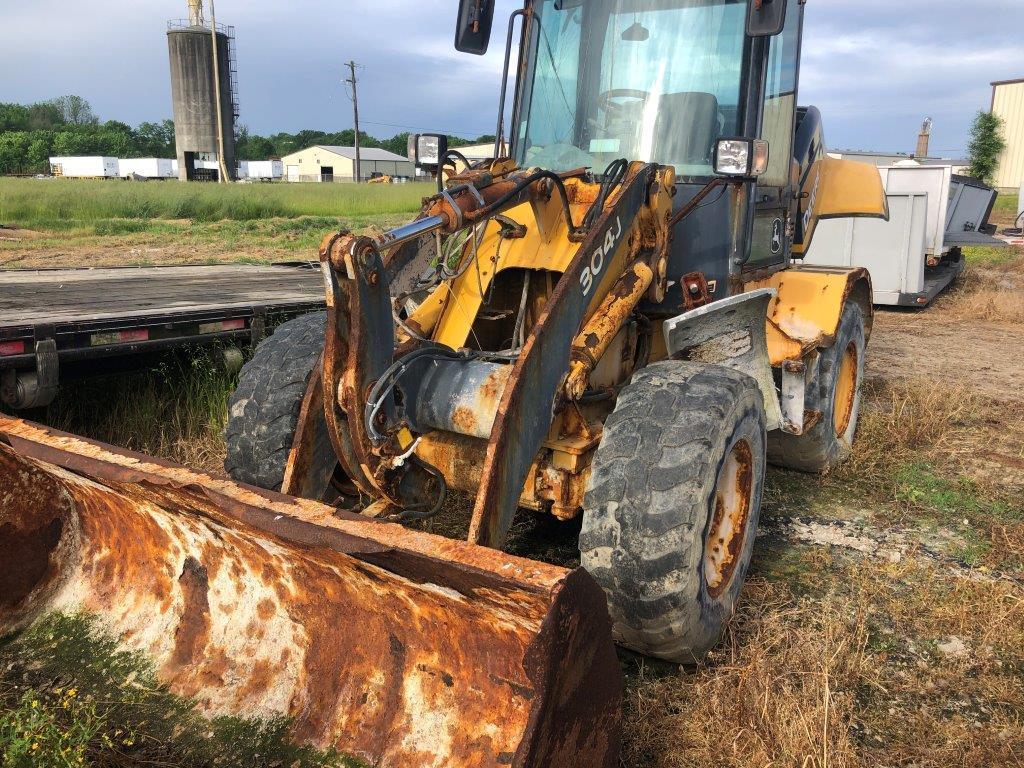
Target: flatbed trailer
{"points": [[57, 324]]}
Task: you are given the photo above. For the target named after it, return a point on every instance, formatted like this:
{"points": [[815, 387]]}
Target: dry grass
{"points": [[847, 673], [991, 288], [780, 693], [990, 304], [934, 456], [829, 662], [906, 420]]}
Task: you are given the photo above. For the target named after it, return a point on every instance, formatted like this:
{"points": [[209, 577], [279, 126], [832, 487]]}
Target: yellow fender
{"points": [[836, 189], [807, 308], [809, 301]]}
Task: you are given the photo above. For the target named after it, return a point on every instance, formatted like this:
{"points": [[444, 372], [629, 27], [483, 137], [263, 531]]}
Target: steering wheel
{"points": [[604, 100]]}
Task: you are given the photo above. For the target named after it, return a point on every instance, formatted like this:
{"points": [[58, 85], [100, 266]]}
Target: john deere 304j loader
{"points": [[609, 320]]}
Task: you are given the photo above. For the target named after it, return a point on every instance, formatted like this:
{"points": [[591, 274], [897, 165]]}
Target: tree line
{"points": [[253, 147], [30, 134]]}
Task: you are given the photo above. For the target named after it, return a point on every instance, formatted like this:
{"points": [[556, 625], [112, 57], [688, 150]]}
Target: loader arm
{"points": [[532, 395], [384, 388]]}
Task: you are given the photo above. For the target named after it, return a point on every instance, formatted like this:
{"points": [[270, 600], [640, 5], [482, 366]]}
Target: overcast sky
{"points": [[876, 68]]}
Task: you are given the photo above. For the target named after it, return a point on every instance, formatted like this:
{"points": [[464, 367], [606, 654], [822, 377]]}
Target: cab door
{"points": [[774, 193]]}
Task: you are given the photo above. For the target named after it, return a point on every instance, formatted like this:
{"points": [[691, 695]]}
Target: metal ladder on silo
{"points": [[233, 70]]}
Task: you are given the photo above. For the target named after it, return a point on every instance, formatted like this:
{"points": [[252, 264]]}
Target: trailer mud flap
{"points": [[396, 647]]}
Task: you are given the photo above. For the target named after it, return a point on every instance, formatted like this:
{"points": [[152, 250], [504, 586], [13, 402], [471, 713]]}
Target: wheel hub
{"points": [[727, 533], [846, 391]]}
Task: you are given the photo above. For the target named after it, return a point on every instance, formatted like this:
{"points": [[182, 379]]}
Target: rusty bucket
{"points": [[393, 646]]}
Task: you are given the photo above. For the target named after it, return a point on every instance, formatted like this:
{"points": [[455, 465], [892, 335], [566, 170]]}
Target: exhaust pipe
{"points": [[393, 646]]}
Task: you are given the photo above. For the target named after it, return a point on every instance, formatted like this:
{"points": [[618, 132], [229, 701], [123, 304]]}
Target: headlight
{"points": [[741, 157], [427, 148]]}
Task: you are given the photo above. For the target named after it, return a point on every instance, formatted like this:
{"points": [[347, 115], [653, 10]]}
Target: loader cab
{"points": [[665, 81]]}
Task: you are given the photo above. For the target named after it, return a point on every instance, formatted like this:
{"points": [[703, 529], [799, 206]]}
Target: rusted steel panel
{"points": [[311, 460], [459, 396], [400, 648]]}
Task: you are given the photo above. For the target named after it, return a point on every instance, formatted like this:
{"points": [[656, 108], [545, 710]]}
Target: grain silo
{"points": [[194, 94]]}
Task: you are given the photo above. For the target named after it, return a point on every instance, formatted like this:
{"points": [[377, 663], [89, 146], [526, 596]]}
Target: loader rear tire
{"points": [[672, 504], [835, 393], [263, 411]]}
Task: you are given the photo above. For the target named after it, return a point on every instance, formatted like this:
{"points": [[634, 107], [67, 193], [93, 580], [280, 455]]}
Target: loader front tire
{"points": [[672, 504], [835, 393], [263, 411]]}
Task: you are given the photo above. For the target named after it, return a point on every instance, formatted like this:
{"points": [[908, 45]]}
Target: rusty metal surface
{"points": [[528, 401], [311, 460], [400, 648], [592, 342], [332, 368], [458, 457], [727, 531], [458, 396]]}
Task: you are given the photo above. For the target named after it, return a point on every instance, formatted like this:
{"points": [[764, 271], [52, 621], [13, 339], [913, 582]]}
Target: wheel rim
{"points": [[728, 531], [846, 391]]}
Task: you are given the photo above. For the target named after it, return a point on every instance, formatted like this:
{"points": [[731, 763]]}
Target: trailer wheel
{"points": [[835, 393], [263, 411], [672, 504]]}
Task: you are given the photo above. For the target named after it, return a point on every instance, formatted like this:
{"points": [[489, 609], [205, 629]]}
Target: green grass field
{"points": [[72, 223], [1007, 203], [61, 204]]}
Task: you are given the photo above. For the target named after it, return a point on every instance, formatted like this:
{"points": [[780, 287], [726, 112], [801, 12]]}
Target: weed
{"points": [[918, 485], [987, 256], [991, 304], [1006, 203], [119, 226], [843, 674], [252, 260], [53, 729], [176, 409], [990, 288], [86, 700], [903, 419]]}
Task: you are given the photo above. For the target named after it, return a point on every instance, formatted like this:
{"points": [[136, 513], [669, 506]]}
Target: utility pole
{"points": [[355, 110], [222, 175]]}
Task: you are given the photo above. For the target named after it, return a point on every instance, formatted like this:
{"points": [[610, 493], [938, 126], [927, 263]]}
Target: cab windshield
{"points": [[651, 80]]}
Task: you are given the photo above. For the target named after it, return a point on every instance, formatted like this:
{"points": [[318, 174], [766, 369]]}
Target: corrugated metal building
{"points": [[329, 163], [1008, 103]]}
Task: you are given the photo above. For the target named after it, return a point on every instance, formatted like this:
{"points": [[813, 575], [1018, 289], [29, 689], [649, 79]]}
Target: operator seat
{"points": [[686, 128]]}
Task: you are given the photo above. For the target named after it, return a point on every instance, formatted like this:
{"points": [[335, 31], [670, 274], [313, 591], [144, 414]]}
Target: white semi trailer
{"points": [[261, 170], [147, 168], [84, 167]]}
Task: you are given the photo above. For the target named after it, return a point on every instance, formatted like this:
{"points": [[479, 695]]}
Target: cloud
{"points": [[876, 68]]}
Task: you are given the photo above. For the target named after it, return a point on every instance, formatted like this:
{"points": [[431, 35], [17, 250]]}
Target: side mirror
{"points": [[741, 158], [473, 28], [766, 18], [427, 149]]}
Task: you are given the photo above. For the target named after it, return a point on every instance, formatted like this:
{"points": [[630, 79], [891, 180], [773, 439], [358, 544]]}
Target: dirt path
{"points": [[935, 344]]}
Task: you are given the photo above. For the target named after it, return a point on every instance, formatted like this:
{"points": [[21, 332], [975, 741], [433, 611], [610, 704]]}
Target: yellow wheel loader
{"points": [[610, 324]]}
